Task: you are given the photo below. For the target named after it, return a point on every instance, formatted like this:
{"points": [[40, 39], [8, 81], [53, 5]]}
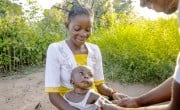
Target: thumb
{"points": [[119, 103], [116, 101]]}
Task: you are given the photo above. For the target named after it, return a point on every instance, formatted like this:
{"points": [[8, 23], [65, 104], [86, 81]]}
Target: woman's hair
{"points": [[143, 2], [79, 10]]}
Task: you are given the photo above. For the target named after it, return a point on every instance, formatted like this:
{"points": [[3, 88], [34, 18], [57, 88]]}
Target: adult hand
{"points": [[110, 107], [129, 102], [119, 96]]}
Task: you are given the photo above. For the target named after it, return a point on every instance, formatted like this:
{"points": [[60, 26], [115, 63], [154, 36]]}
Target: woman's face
{"points": [[166, 6], [79, 28]]}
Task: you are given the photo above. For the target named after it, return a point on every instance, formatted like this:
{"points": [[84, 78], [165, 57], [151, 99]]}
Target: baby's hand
{"points": [[102, 101], [129, 102]]}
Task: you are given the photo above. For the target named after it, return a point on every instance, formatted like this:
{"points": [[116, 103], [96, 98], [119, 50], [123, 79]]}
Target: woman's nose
{"points": [[84, 34]]}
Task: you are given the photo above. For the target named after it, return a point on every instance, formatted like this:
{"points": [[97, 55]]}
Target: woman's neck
{"points": [[76, 49]]}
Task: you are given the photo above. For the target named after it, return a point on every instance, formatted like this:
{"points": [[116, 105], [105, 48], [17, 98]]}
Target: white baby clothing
{"points": [[82, 104]]}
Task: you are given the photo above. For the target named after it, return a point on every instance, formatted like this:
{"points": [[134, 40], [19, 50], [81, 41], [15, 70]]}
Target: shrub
{"points": [[139, 51]]}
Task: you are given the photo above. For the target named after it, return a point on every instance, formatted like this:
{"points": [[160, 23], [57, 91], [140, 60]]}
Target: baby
{"points": [[82, 97]]}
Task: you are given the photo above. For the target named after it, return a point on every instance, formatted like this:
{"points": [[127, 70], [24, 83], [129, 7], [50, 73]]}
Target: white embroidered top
{"points": [[176, 75], [60, 61]]}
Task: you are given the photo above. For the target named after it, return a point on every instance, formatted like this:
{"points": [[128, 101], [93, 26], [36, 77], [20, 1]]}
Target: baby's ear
{"points": [[71, 81]]}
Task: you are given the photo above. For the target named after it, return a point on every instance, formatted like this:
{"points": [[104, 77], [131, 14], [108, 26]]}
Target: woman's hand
{"points": [[110, 107], [119, 96], [129, 102]]}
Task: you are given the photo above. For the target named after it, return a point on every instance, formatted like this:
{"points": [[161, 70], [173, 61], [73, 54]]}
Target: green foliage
{"points": [[133, 50], [139, 51], [8, 8], [106, 12], [53, 22], [122, 6], [24, 44]]}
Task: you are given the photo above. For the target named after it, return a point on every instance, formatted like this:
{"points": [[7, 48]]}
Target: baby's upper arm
{"points": [[93, 98]]}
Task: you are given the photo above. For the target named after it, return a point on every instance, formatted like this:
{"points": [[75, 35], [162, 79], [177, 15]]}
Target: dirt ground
{"points": [[26, 92]]}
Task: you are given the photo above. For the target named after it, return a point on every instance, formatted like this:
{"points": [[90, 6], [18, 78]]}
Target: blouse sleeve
{"points": [[176, 75], [98, 68], [52, 70]]}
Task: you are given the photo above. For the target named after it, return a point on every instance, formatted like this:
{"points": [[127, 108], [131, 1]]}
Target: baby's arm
{"points": [[97, 99], [93, 98]]}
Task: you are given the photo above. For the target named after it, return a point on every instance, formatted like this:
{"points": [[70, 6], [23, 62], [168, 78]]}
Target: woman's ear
{"points": [[66, 25]]}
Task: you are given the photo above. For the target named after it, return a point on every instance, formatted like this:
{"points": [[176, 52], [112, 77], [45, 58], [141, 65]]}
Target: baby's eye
{"points": [[81, 73], [90, 74]]}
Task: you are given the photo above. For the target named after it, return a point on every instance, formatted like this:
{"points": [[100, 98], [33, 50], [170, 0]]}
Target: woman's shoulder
{"points": [[91, 45], [55, 47], [57, 44]]}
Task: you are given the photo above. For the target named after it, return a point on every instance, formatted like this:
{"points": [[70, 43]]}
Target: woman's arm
{"points": [[104, 90], [98, 73], [175, 100], [107, 91], [52, 78], [59, 102], [157, 95], [115, 107]]}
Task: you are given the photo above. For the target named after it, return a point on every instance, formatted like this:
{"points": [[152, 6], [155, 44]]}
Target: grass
{"points": [[133, 51], [142, 51]]}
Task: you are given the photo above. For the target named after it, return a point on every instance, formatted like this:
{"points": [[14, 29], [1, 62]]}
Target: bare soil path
{"points": [[26, 92]]}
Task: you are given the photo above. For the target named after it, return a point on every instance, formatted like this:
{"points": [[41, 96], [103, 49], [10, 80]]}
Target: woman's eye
{"points": [[88, 30], [76, 28]]}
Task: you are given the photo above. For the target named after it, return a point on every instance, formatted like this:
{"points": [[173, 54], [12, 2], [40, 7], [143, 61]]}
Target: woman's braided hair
{"points": [[78, 9]]}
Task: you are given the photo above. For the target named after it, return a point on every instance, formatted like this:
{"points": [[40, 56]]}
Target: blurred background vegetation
{"points": [[134, 49]]}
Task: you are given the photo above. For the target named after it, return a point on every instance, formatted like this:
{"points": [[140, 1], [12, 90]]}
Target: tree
{"points": [[123, 6], [105, 11], [9, 8]]}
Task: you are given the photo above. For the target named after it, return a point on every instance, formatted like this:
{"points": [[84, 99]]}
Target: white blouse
{"points": [[60, 61], [176, 75]]}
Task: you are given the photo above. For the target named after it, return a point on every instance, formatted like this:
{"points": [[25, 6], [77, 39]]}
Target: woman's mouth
{"points": [[81, 40]]}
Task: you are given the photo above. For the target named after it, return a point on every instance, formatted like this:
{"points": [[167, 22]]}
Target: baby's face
{"points": [[82, 77]]}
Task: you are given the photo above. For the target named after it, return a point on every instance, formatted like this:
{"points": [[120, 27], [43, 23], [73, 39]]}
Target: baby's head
{"points": [[82, 77]]}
